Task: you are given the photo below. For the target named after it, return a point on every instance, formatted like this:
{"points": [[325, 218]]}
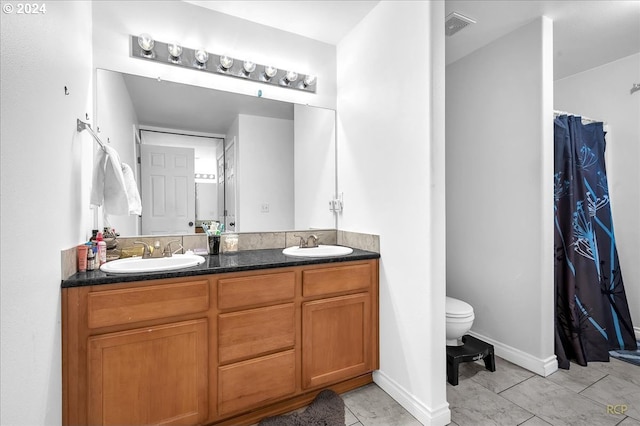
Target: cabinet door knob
{"points": [[190, 223]]}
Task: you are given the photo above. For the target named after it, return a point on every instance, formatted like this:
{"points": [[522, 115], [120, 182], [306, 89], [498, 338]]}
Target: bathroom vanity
{"points": [[239, 338]]}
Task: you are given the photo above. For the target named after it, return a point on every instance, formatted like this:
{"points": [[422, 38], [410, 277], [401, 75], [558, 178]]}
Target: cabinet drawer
{"points": [[249, 383], [255, 290], [254, 332], [334, 280], [125, 306]]}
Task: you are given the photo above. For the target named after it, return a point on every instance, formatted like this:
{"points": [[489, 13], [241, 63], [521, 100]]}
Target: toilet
{"points": [[463, 347], [459, 320]]}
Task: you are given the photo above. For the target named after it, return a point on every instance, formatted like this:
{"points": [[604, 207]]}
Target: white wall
{"points": [[391, 170], [314, 167], [117, 122], [207, 201], [603, 93], [264, 174], [43, 196], [499, 159]]}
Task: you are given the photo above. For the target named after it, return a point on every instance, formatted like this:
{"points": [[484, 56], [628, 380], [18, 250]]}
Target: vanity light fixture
{"points": [[145, 47], [308, 80], [146, 43], [205, 176], [201, 58], [175, 50], [247, 68], [226, 63], [269, 73], [289, 78]]}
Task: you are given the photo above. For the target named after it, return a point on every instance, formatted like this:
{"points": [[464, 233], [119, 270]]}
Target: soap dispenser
{"points": [[102, 249]]}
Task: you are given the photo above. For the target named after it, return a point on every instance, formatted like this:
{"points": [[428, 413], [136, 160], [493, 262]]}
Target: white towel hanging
{"points": [[114, 185]]}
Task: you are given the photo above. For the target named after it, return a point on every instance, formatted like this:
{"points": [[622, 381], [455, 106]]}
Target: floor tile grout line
{"points": [[506, 389], [592, 384], [540, 416], [532, 416], [591, 399], [625, 418]]}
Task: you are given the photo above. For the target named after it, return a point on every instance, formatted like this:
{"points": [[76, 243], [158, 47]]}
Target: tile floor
{"points": [[514, 396]]}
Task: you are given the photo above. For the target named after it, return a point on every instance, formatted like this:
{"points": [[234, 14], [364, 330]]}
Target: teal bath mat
{"points": [[629, 356]]}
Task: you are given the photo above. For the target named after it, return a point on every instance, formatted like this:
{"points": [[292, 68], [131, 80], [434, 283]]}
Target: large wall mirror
{"points": [[204, 155]]}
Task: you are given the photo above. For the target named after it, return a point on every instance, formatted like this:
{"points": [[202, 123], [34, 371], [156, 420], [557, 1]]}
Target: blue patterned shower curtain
{"points": [[592, 315]]}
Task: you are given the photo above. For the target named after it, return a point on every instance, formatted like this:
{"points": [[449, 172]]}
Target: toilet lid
{"points": [[457, 308]]}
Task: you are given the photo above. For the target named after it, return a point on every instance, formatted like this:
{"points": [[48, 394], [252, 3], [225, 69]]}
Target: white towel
{"points": [[97, 184], [114, 184], [133, 196]]}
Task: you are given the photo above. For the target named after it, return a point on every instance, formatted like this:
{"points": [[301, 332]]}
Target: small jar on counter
{"points": [[229, 243]]}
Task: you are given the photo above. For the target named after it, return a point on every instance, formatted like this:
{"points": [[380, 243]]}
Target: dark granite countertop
{"points": [[248, 260]]}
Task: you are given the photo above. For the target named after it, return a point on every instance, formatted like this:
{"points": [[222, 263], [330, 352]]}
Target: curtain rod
{"points": [[86, 126], [585, 120]]}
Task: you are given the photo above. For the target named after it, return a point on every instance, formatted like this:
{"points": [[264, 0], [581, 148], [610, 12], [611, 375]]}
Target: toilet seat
{"points": [[455, 308]]}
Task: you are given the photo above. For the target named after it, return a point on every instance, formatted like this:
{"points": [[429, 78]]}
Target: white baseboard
{"points": [[542, 367], [439, 416]]}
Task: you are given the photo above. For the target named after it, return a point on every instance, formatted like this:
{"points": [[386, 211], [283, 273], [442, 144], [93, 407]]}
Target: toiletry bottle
{"points": [[91, 258], [82, 251], [102, 249]]}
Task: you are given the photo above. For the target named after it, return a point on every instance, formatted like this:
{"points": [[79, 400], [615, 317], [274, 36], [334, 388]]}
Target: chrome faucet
{"points": [[310, 242]]}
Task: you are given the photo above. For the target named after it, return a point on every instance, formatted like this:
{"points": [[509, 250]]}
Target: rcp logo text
{"points": [[617, 409]]}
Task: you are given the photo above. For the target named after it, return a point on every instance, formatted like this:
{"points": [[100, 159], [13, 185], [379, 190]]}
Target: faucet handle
{"points": [[303, 242]]}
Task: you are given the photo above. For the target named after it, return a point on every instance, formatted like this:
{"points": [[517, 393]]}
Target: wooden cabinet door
{"points": [[336, 336], [152, 375]]}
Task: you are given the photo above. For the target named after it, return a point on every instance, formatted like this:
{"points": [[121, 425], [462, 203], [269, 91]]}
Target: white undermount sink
{"points": [[320, 251], [131, 265]]}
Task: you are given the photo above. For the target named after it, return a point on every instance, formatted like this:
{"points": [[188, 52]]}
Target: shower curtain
{"points": [[592, 315]]}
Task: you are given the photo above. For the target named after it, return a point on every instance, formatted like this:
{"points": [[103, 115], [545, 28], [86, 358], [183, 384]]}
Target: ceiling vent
{"points": [[455, 22]]}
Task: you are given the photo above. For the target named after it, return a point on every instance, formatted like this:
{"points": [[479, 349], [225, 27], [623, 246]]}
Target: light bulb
{"points": [[248, 67], [309, 80], [145, 41], [291, 76], [270, 72], [201, 58], [226, 62], [175, 50]]}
